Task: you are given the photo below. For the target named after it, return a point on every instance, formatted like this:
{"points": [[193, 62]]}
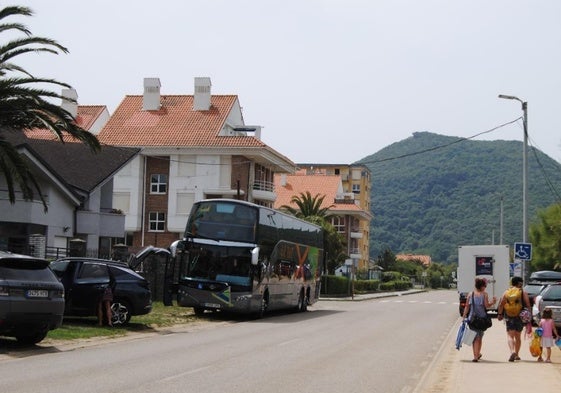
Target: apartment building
{"points": [[347, 193], [192, 147]]}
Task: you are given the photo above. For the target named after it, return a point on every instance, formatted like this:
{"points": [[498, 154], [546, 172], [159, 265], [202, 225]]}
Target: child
{"points": [[548, 335]]}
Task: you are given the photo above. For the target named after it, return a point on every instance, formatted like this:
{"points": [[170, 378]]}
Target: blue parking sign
{"points": [[523, 251]]}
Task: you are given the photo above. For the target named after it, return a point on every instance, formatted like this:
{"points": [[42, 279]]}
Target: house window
{"points": [[156, 221], [356, 188], [339, 224], [158, 184]]}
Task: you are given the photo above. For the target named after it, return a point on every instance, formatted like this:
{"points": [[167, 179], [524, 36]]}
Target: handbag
{"points": [[476, 322]]}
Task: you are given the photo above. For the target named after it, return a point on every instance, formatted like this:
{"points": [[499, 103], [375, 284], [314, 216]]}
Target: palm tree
{"points": [[25, 106], [309, 209], [308, 206]]}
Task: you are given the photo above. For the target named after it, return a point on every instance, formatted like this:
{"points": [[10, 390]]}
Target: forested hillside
{"points": [[431, 193]]}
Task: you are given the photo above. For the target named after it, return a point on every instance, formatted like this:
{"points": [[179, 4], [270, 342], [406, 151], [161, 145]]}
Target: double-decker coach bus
{"points": [[244, 258]]}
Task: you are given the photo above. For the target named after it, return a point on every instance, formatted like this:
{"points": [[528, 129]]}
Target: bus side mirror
{"points": [[255, 256], [178, 245]]}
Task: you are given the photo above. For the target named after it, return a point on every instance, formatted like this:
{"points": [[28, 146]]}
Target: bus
{"points": [[240, 257]]}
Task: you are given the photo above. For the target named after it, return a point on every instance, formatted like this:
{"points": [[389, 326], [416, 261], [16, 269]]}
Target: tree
{"points": [[309, 209], [308, 206], [25, 105], [545, 235]]}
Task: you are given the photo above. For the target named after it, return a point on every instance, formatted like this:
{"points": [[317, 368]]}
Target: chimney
{"points": [[283, 179], [201, 98], [151, 98], [70, 101]]}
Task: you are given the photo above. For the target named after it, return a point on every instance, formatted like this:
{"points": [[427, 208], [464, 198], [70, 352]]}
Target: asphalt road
{"points": [[380, 345]]}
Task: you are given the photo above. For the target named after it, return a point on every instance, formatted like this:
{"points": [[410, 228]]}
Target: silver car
{"points": [[550, 297], [31, 298]]}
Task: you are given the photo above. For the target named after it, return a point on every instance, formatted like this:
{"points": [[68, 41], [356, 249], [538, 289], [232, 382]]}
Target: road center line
{"points": [[196, 370]]}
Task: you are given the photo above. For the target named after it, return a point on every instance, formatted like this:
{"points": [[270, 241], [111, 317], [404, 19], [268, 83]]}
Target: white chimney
{"points": [[201, 101], [283, 179], [151, 98], [70, 101]]}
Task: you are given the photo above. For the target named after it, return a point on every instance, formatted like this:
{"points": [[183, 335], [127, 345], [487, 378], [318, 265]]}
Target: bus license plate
{"points": [[37, 293]]}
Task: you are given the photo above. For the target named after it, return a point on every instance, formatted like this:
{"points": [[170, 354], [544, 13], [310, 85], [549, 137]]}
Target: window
{"points": [[156, 221], [158, 184], [356, 188], [339, 224]]}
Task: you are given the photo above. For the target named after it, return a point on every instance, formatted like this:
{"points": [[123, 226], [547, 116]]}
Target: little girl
{"points": [[548, 335]]}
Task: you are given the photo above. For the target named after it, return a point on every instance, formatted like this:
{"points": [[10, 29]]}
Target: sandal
{"points": [[479, 357], [512, 357]]}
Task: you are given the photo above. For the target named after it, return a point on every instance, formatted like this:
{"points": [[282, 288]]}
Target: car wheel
{"points": [[199, 311], [31, 338], [120, 312]]}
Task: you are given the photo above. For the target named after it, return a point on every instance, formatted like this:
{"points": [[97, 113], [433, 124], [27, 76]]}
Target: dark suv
{"points": [[85, 278], [31, 298]]}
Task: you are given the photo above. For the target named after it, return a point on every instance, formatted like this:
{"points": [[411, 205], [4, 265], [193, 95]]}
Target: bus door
{"points": [[174, 265]]}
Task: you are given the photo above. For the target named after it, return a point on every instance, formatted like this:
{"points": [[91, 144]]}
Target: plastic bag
{"points": [[468, 336], [535, 346]]}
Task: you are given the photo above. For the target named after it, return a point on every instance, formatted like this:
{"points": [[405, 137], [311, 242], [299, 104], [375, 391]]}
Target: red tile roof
{"points": [[426, 260], [300, 183], [88, 114], [85, 118], [174, 124]]}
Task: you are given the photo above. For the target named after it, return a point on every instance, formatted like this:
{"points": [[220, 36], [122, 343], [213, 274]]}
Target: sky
{"points": [[330, 81]]}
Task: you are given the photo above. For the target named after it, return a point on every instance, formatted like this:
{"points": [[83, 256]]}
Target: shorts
{"points": [[547, 342], [514, 323]]}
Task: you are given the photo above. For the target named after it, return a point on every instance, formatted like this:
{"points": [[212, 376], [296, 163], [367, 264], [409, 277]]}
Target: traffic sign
{"points": [[523, 251]]}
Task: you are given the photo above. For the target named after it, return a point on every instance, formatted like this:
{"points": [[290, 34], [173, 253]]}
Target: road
{"points": [[383, 345]]}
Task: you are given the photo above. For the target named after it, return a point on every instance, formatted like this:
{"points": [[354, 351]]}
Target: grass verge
{"points": [[161, 316]]}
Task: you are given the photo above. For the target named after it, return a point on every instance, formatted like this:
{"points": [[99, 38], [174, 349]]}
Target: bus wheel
{"points": [[199, 311]]}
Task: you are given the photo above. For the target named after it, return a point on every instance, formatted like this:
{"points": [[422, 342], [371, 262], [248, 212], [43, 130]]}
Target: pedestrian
{"points": [[512, 302], [479, 301], [549, 334], [105, 300]]}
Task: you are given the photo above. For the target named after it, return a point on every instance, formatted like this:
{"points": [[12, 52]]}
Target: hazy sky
{"points": [[331, 81]]}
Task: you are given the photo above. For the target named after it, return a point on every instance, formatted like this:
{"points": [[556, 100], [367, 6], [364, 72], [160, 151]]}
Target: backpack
{"points": [[513, 302]]}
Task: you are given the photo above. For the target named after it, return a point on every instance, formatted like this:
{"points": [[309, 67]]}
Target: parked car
{"points": [[533, 289], [85, 278], [550, 297], [31, 298]]}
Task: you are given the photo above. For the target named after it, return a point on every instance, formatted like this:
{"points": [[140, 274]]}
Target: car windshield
{"points": [[25, 269], [533, 289], [553, 293]]}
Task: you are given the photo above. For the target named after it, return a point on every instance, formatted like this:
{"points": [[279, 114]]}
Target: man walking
{"points": [[512, 302]]}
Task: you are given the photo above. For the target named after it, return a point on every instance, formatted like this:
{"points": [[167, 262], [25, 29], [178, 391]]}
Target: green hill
{"points": [[431, 193]]}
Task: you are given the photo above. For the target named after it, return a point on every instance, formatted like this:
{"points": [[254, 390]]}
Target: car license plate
{"points": [[212, 305], [37, 293]]}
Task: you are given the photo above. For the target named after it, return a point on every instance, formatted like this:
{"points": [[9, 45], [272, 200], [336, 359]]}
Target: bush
{"points": [[334, 285], [365, 286]]}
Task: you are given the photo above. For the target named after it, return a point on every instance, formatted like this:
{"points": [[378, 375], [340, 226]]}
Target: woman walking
{"points": [[478, 300]]}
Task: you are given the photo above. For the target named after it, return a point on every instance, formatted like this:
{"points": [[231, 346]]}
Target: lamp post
{"points": [[524, 170]]}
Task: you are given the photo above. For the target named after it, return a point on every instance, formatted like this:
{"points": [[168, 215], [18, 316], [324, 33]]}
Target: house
{"points": [[77, 186], [192, 147], [424, 260], [350, 219]]}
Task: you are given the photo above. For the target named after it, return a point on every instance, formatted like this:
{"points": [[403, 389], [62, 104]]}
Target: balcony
{"points": [[264, 190], [100, 223], [356, 234], [354, 253]]}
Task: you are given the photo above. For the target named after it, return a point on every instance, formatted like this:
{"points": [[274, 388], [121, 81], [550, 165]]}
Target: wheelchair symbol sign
{"points": [[523, 251]]}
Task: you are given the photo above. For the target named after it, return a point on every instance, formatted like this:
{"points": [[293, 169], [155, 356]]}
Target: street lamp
{"points": [[524, 169]]}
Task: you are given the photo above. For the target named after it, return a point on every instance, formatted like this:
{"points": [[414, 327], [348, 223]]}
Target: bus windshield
{"points": [[226, 264], [222, 220]]}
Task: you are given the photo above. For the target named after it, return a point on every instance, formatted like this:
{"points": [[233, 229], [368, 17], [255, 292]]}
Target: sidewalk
{"points": [[452, 370]]}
